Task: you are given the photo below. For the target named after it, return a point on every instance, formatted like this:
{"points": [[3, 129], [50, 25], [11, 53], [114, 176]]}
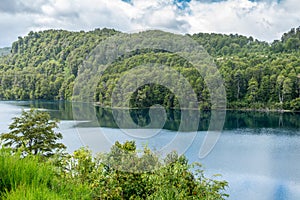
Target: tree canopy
{"points": [[257, 74], [33, 133]]}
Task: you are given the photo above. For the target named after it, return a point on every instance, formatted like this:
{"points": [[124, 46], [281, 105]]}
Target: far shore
{"points": [[229, 109]]}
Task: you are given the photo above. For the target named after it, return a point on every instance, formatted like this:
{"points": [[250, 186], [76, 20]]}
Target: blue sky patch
{"points": [[182, 4], [127, 1]]}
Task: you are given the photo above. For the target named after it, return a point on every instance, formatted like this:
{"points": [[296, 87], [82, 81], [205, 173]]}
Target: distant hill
{"points": [[257, 74], [5, 51]]}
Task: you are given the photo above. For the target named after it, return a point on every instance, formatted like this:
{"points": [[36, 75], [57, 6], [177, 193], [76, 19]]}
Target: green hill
{"points": [[44, 65], [5, 51]]}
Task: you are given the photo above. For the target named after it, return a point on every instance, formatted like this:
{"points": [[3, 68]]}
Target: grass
{"points": [[27, 178]]}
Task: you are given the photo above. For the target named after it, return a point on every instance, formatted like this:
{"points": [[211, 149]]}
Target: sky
{"points": [[263, 19]]}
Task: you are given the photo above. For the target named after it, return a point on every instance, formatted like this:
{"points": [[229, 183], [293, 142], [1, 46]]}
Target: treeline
{"points": [[44, 65], [257, 74]]}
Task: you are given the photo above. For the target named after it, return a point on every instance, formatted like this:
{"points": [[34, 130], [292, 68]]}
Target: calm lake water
{"points": [[257, 153]]}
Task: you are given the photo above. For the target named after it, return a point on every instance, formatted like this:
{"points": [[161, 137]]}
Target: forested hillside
{"points": [[5, 51], [44, 65], [258, 74]]}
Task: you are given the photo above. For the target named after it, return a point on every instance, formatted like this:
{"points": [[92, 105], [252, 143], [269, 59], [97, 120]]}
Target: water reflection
{"points": [[104, 117]]}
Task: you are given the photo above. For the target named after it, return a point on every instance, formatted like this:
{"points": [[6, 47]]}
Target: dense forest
{"points": [[257, 75]]}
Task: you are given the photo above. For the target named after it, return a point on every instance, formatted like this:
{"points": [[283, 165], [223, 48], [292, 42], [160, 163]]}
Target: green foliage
{"points": [[44, 65], [122, 173], [229, 45], [125, 173], [16, 172], [32, 193], [181, 183], [295, 104], [149, 94], [33, 178], [33, 133]]}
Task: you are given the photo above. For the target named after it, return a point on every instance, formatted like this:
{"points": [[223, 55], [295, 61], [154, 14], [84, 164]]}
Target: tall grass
{"points": [[16, 171], [32, 193], [29, 178]]}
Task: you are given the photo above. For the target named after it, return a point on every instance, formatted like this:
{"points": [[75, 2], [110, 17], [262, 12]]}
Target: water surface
{"points": [[258, 153]]}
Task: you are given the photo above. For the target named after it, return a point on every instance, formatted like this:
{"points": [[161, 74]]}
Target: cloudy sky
{"points": [[262, 19]]}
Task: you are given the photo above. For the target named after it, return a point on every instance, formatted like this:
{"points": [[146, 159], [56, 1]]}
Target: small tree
{"points": [[33, 133]]}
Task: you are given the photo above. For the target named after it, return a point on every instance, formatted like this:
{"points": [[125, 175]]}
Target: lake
{"points": [[258, 153]]}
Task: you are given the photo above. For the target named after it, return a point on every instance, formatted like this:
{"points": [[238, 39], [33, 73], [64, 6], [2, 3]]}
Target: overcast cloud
{"points": [[264, 19]]}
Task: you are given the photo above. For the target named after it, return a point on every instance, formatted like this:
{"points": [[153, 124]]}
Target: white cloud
{"points": [[262, 19], [13, 26], [88, 14]]}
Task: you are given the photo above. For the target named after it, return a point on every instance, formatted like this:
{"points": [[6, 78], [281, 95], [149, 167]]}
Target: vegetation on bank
{"points": [[33, 134], [257, 75], [122, 173]]}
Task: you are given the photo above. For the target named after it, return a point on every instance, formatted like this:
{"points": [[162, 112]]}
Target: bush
{"points": [[123, 173]]}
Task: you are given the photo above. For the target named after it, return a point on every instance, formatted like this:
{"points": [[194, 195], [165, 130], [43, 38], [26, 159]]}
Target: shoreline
{"points": [[265, 110]]}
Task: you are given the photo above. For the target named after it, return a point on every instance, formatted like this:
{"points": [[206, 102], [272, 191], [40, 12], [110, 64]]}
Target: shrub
{"points": [[125, 173]]}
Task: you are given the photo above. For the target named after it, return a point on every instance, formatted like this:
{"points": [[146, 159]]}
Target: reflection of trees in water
{"points": [[280, 121], [63, 110], [251, 119]]}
